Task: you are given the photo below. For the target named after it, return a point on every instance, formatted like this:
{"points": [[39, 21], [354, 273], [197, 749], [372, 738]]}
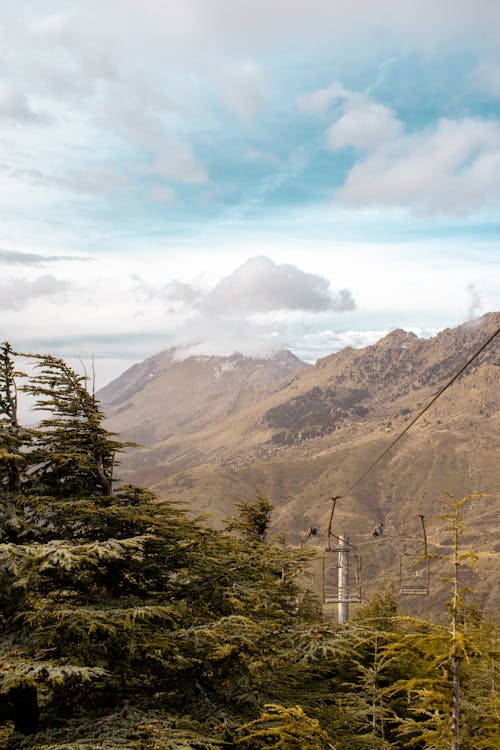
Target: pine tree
{"points": [[118, 600], [279, 728], [73, 451], [440, 655], [12, 437], [126, 625]]}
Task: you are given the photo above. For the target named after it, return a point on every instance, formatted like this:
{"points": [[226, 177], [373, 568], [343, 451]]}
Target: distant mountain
{"points": [[167, 396], [217, 430]]}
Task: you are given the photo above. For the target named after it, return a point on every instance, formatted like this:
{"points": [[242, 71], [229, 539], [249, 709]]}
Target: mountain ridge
{"points": [[308, 435]]}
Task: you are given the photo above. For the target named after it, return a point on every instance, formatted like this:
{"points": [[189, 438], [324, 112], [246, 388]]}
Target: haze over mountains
{"points": [[216, 430]]}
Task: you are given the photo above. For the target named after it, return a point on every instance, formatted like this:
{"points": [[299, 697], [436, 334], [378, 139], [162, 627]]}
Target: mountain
{"points": [[166, 397], [217, 430]]}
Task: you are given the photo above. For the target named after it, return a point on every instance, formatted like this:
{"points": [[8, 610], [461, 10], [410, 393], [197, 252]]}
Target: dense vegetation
{"points": [[124, 624]]}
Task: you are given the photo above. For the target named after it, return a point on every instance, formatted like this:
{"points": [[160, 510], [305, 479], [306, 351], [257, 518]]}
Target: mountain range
{"points": [[217, 430]]}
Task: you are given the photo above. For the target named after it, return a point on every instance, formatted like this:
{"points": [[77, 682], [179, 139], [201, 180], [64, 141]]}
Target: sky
{"points": [[226, 176]]}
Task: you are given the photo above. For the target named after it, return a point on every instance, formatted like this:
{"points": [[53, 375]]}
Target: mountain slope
{"points": [[311, 434], [165, 397]]}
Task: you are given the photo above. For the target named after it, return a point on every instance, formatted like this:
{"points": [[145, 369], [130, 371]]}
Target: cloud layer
{"points": [[172, 141], [17, 258]]}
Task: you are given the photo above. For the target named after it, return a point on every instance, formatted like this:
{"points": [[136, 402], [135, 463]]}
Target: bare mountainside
{"points": [[165, 396], [217, 430]]}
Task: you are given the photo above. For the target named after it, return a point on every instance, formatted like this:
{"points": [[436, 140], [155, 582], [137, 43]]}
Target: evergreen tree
{"points": [[252, 519], [12, 437], [126, 625], [73, 452], [118, 600], [279, 728], [441, 657]]}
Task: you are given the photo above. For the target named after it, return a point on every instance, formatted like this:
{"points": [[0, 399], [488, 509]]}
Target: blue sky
{"points": [[223, 175]]}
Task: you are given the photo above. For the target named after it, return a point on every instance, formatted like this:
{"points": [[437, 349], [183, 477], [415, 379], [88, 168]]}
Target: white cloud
{"points": [[451, 168], [256, 309], [176, 161], [259, 285], [222, 336], [243, 88], [475, 302], [319, 102], [364, 125], [14, 105], [313, 346], [16, 257], [95, 180], [15, 293]]}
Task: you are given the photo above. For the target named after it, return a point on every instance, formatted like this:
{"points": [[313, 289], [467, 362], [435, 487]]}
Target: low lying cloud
{"points": [[222, 337], [15, 294], [261, 286], [475, 302], [254, 310], [315, 345]]}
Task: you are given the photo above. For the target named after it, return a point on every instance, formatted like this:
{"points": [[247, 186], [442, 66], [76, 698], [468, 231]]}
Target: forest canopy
{"points": [[127, 625]]}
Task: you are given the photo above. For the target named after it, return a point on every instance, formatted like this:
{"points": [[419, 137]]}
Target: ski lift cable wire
{"points": [[422, 411]]}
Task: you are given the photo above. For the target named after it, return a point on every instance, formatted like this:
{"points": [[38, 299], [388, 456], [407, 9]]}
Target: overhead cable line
{"points": [[415, 419]]}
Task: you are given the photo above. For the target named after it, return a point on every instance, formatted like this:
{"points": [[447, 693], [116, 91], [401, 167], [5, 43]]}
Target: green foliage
{"points": [[279, 728], [73, 452], [136, 628], [12, 436], [252, 519], [438, 682]]}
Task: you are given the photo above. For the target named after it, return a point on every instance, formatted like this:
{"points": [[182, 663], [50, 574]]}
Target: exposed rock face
{"points": [[217, 430]]}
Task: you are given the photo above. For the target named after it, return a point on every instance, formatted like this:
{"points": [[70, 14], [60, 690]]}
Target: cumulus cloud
{"points": [[254, 310], [364, 125], [243, 88], [180, 291], [319, 102], [360, 121], [450, 167], [260, 285], [15, 294], [453, 167]]}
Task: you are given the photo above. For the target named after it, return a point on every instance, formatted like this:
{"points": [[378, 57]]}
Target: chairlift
{"points": [[341, 574], [414, 575], [341, 569], [415, 570]]}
